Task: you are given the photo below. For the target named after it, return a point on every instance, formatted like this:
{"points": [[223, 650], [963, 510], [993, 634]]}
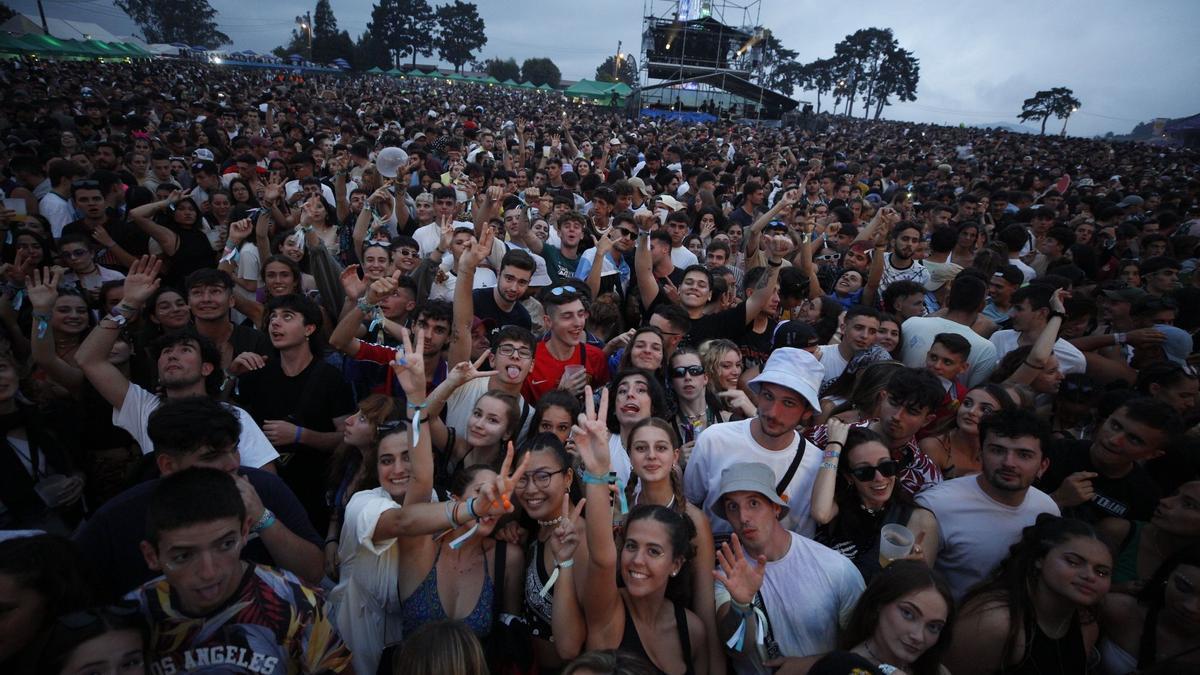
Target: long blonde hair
{"points": [[441, 648]]}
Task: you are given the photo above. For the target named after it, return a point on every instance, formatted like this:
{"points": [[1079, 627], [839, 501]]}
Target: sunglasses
{"points": [[683, 371], [829, 257], [559, 291], [887, 468], [85, 184], [626, 233]]}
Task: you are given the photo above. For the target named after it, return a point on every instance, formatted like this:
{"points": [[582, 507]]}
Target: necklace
{"points": [[883, 666], [552, 522]]}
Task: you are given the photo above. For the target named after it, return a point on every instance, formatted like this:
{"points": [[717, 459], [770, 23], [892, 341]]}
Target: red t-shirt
{"points": [[547, 371]]}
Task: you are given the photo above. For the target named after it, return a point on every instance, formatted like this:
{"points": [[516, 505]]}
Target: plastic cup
{"points": [[895, 542], [572, 370], [50, 487]]}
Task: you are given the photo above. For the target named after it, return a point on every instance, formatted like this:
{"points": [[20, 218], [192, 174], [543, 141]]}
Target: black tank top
{"points": [[632, 642], [1047, 656]]}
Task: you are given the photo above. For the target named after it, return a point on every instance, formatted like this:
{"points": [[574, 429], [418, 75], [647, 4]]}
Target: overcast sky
{"points": [[1126, 61]]}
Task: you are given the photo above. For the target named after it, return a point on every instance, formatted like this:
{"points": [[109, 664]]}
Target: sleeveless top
{"points": [[1048, 656], [538, 609], [425, 605], [632, 642]]}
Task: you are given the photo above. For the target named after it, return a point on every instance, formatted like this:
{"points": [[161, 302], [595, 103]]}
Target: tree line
{"points": [[867, 66]]}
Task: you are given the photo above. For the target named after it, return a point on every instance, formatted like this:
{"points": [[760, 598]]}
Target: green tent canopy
{"points": [[527, 85], [545, 87], [510, 83], [456, 77], [394, 72]]}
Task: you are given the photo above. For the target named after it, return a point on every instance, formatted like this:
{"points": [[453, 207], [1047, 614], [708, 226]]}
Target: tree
{"points": [[860, 56], [780, 71], [541, 71], [459, 33], [898, 75], [627, 72], [1059, 102], [819, 76], [404, 26], [370, 52], [191, 22], [6, 12], [329, 44], [297, 44], [506, 69]]}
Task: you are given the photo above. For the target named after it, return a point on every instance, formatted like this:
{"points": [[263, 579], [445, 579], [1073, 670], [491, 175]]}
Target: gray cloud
{"points": [[1127, 62]]}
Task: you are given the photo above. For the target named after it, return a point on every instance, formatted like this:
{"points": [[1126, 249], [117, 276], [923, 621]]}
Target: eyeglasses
{"points": [[887, 468], [520, 352], [541, 478], [683, 371]]}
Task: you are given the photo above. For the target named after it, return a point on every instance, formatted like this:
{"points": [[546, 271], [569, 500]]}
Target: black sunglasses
{"points": [[85, 184], [887, 468], [681, 371]]}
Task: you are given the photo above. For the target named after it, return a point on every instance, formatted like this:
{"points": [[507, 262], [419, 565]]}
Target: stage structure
{"points": [[701, 56]]}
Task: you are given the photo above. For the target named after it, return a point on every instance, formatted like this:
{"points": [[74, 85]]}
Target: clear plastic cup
{"points": [[50, 487], [895, 542], [573, 370]]}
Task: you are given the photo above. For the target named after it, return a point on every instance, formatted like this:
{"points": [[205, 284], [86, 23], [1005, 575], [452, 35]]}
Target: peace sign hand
{"points": [[465, 371], [494, 497], [591, 433], [739, 576], [409, 365], [565, 538]]}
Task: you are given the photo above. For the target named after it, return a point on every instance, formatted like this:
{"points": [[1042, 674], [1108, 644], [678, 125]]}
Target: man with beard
{"points": [[971, 522], [900, 265], [188, 365], [786, 393]]}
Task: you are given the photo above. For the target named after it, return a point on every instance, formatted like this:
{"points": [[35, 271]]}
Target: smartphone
{"points": [[545, 151], [15, 204]]}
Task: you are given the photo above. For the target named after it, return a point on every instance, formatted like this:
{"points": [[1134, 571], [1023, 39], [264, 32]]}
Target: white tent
{"points": [[64, 29]]}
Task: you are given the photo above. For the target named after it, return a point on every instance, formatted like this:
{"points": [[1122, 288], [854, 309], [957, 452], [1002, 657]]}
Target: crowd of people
{"points": [[356, 374]]}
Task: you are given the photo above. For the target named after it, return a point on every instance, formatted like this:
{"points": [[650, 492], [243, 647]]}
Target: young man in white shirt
{"points": [[787, 595], [970, 522], [1032, 307], [787, 396]]}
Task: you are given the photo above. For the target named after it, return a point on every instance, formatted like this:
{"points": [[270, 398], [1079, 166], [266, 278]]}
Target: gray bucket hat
{"points": [[749, 477]]}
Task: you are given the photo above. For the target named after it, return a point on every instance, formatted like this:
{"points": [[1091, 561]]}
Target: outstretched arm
{"points": [[92, 355]]}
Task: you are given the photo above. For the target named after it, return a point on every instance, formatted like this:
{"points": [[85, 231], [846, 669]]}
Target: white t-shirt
{"points": [[976, 531], [249, 267], [94, 281], [461, 403], [618, 458], [430, 234], [368, 587], [293, 186], [683, 258], [57, 211], [835, 364], [1070, 359], [256, 451], [914, 272], [808, 593], [728, 443], [918, 333]]}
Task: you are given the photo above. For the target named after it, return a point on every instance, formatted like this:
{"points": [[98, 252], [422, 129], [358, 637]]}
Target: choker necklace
{"points": [[870, 511], [551, 523]]}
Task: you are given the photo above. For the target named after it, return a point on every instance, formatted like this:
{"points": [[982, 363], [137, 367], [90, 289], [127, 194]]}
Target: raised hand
{"points": [[409, 365], [494, 497], [465, 371], [142, 280], [565, 538], [239, 230], [739, 576], [354, 285], [42, 288], [246, 362], [1056, 300], [591, 432], [479, 251], [836, 430], [383, 287]]}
